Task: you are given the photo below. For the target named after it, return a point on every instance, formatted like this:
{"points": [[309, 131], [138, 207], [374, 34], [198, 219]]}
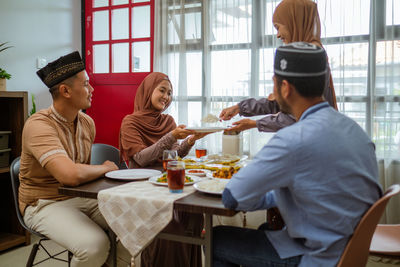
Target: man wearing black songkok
{"points": [[56, 145]]}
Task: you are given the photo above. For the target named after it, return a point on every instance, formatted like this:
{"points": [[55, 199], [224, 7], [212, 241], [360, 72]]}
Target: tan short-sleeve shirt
{"points": [[48, 135]]}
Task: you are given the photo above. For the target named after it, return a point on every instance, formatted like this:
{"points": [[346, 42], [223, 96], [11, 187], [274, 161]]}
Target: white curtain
{"points": [[218, 52]]}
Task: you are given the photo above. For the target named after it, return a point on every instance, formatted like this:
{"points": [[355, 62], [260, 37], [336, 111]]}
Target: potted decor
{"points": [[3, 74]]}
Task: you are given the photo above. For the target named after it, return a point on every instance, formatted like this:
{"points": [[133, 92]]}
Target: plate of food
{"points": [[206, 129], [211, 186], [132, 174], [198, 172], [224, 173], [225, 159], [162, 179]]}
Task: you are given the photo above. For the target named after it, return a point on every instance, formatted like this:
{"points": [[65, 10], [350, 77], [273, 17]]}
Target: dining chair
{"points": [[99, 154], [386, 241], [14, 173], [357, 249], [103, 152]]}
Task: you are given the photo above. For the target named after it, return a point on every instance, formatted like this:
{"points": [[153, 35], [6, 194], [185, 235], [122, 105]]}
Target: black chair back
{"points": [[103, 152]]}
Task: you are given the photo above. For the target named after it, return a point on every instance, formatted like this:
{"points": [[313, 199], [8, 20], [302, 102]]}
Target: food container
{"points": [[5, 157], [232, 143], [4, 137]]}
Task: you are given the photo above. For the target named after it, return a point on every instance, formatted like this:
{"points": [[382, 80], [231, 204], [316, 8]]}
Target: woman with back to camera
{"points": [[295, 21]]}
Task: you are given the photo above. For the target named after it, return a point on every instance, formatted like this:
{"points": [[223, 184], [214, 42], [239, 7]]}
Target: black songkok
{"points": [[299, 60], [61, 69]]}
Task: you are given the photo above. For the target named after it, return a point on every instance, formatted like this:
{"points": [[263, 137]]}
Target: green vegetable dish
{"points": [[163, 179]]}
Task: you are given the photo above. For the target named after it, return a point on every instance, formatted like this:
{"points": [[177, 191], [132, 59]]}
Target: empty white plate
{"points": [[132, 174], [206, 129]]}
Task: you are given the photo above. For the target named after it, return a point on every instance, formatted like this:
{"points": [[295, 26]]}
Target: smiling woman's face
{"points": [[283, 32], [162, 95]]}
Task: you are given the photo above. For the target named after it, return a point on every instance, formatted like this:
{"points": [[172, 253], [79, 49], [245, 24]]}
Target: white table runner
{"points": [[138, 211]]}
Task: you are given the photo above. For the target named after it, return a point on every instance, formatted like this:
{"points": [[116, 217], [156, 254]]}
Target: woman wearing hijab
{"points": [[295, 21], [144, 135]]}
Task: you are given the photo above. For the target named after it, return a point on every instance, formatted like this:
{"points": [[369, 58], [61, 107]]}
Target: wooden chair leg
{"points": [[32, 255]]}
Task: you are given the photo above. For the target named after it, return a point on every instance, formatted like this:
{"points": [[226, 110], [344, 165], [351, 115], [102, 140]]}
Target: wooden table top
{"points": [[196, 202]]}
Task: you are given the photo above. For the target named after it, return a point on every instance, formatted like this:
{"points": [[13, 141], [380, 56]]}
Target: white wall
{"points": [[37, 28]]}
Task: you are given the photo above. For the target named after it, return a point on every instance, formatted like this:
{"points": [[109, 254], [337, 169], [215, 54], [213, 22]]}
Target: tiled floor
{"points": [[18, 257]]}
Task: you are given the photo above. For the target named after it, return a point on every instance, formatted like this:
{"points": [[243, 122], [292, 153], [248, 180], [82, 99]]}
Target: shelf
{"points": [[4, 169], [8, 240]]}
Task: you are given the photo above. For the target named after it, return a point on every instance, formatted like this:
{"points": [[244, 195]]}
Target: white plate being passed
{"points": [[206, 129], [211, 186], [132, 174], [154, 179]]}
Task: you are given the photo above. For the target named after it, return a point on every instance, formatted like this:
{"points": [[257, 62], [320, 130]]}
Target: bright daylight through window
{"points": [[220, 52]]}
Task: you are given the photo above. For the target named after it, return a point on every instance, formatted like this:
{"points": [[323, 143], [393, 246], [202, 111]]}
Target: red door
{"points": [[119, 54]]}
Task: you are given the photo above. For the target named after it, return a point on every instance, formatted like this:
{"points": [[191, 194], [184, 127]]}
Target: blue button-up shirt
{"points": [[322, 174]]}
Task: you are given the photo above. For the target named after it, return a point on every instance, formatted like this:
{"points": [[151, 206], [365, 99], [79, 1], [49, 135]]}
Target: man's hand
{"points": [[111, 166], [229, 113], [180, 132], [242, 125]]}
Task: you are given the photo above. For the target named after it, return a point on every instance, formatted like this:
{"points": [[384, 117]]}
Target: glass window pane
{"points": [[230, 21], [268, 13], [120, 2], [343, 17], [141, 22], [349, 68], [120, 57], [387, 129], [100, 26], [266, 85], [141, 57], [100, 3], [392, 12], [388, 68], [193, 25], [193, 70], [120, 23], [140, 1], [101, 58], [173, 29], [230, 73]]}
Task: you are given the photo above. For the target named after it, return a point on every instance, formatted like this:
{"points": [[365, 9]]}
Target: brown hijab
{"points": [[301, 19], [146, 125]]}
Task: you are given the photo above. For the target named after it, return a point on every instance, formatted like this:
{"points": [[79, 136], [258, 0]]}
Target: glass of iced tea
{"points": [[176, 176], [169, 155], [200, 152]]}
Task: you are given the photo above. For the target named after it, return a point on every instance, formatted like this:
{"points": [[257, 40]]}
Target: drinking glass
{"points": [[200, 152], [169, 155], [176, 176]]}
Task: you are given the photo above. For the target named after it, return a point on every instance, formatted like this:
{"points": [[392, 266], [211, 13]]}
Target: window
{"points": [[220, 52]]}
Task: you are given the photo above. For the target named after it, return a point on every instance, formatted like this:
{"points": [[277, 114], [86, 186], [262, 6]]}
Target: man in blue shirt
{"points": [[321, 173]]}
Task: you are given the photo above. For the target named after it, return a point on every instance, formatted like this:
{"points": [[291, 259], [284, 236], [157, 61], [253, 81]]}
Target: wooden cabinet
{"points": [[13, 113]]}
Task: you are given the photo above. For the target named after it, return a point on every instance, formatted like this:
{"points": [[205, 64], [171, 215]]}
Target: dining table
{"points": [[194, 202]]}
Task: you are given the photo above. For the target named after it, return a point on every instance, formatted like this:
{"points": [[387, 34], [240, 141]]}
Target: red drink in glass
{"points": [[200, 152], [176, 176]]}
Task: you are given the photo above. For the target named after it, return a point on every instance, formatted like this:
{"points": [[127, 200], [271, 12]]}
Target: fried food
{"points": [[226, 173]]}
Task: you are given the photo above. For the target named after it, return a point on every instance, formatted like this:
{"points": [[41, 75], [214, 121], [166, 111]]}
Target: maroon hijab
{"points": [[146, 125]]}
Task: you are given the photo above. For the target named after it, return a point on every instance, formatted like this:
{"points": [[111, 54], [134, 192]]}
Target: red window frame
{"points": [[115, 78]]}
